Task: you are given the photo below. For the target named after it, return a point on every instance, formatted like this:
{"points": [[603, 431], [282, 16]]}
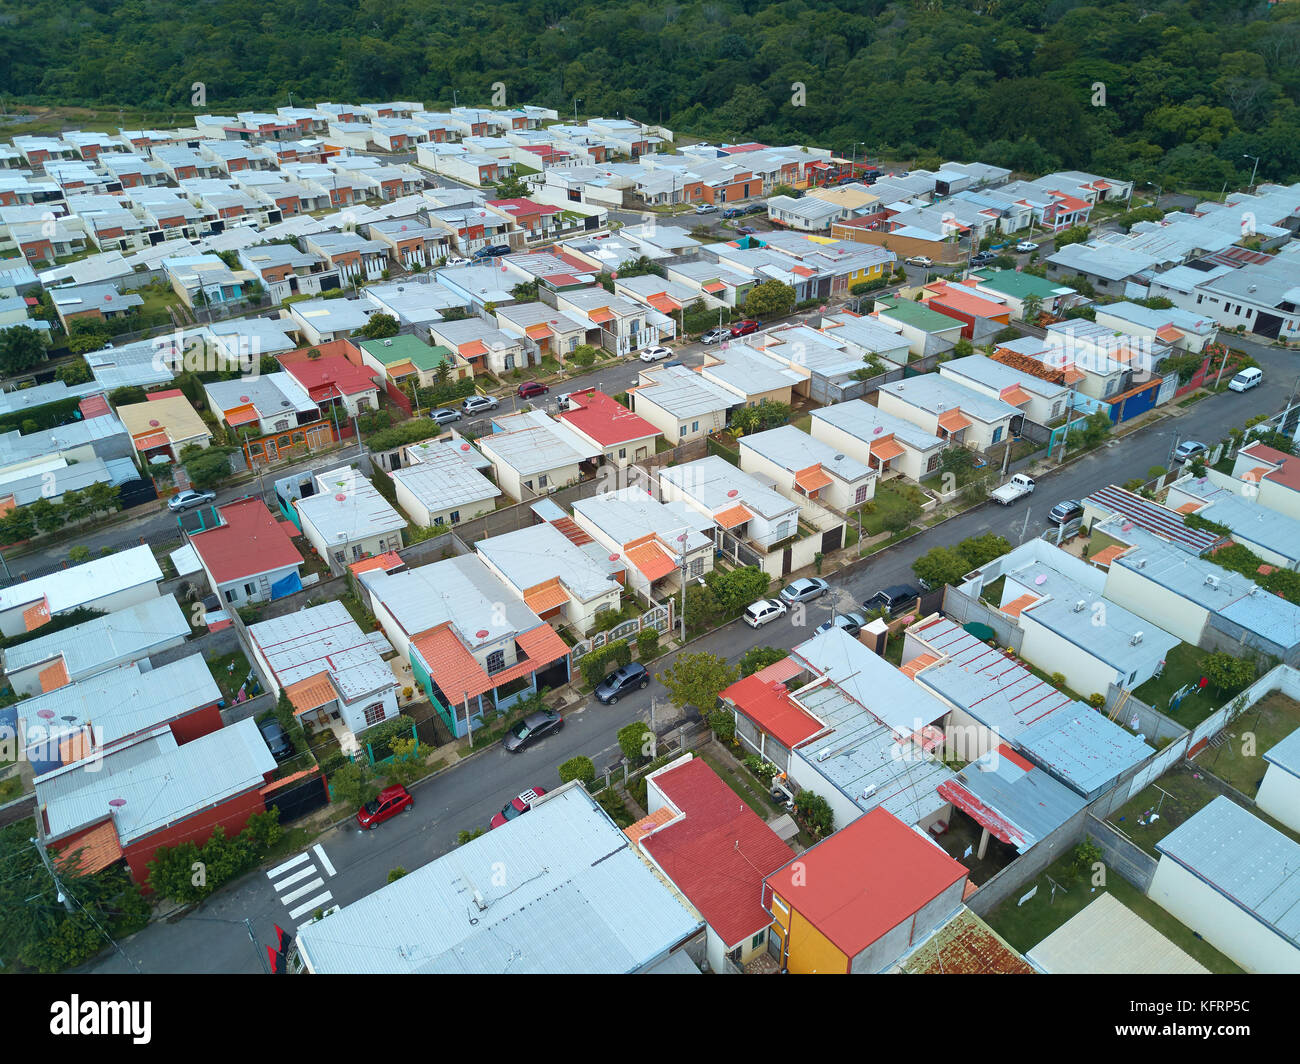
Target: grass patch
{"points": [[1182, 666], [1270, 720], [992, 593], [894, 499], [229, 671], [751, 795], [1024, 926], [804, 424], [11, 788]]}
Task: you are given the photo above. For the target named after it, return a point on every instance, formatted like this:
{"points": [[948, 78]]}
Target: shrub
{"points": [[79, 554], [1058, 679], [761, 768], [647, 644], [815, 813], [463, 836], [596, 664], [723, 724], [578, 768], [1096, 700], [1086, 854], [394, 874], [636, 741]]}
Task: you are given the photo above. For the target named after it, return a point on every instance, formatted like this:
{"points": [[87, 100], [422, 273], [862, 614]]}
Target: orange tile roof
{"points": [[665, 304], [1108, 554], [546, 596], [54, 676], [311, 693], [601, 316], [153, 439], [953, 421], [1169, 334], [651, 559], [7, 506], [647, 824], [886, 449], [1190, 507], [240, 415], [538, 330], [1257, 474], [732, 516], [401, 369], [714, 286], [917, 664], [811, 479], [458, 674], [92, 852], [473, 349], [36, 615], [387, 561], [1015, 395], [1017, 606], [1073, 376]]}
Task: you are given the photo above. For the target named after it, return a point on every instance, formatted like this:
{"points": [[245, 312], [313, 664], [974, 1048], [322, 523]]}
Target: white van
{"points": [[1246, 379]]}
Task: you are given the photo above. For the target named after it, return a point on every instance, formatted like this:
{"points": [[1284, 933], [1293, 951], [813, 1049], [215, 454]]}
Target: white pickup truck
{"points": [[1016, 488]]}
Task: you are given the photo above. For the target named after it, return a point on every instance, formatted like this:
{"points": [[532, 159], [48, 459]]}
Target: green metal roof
{"points": [[1019, 285], [407, 349], [917, 315]]}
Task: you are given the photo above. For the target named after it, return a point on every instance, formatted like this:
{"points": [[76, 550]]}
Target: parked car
{"points": [[755, 208], [1025, 247], [533, 727], [852, 623], [457, 260], [674, 362], [444, 415], [920, 260], [714, 335], [763, 612], [654, 354], [492, 251], [1246, 380], [893, 598], [531, 390], [391, 801], [1065, 511], [1013, 490], [748, 230], [744, 328], [517, 806], [1189, 449], [186, 500], [276, 741], [982, 258], [622, 681], [476, 404], [804, 590], [705, 208], [733, 212]]}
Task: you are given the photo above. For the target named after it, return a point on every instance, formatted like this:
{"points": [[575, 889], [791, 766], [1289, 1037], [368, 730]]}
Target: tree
{"points": [[126, 395], [351, 784], [21, 349], [636, 740], [512, 187], [980, 550], [380, 326], [578, 768], [525, 291], [815, 813], [956, 460], [1227, 673], [78, 554], [941, 565], [1030, 307], [962, 348], [696, 680], [407, 765], [702, 609], [771, 299], [49, 516], [208, 467], [736, 589], [313, 353], [640, 267], [74, 372], [102, 497], [1076, 234], [786, 190], [757, 658]]}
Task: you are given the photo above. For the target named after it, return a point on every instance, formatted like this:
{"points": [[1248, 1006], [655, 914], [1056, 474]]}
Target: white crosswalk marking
{"points": [[309, 906], [305, 878]]}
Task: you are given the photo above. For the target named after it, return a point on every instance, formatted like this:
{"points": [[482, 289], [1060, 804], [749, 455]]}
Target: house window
{"points": [[573, 343], [997, 434], [758, 939], [455, 517], [697, 567], [541, 480], [250, 589], [682, 431], [496, 661], [695, 426], [932, 464], [356, 552], [374, 713], [510, 361], [437, 521], [231, 596], [861, 494], [338, 556], [1056, 409]]}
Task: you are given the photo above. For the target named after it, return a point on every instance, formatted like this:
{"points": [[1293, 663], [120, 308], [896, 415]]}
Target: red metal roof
{"points": [[865, 880], [250, 542], [605, 421], [166, 393], [328, 375], [93, 406], [765, 701], [718, 853]]}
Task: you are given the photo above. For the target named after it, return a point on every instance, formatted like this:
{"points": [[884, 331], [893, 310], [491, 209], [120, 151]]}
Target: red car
{"points": [[517, 806], [531, 389], [744, 328], [391, 801]]}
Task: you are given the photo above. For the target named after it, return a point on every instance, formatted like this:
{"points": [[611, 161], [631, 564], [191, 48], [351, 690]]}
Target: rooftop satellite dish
{"points": [[464, 446], [613, 557], [117, 803], [732, 493], [1040, 579], [46, 714], [340, 497], [482, 633]]}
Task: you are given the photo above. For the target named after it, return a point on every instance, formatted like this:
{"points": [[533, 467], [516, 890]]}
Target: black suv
{"points": [[629, 678], [892, 598], [276, 741]]}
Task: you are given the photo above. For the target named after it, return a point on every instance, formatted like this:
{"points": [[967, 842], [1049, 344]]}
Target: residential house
{"points": [[738, 503], [544, 330], [926, 331], [204, 280], [473, 645], [356, 258], [416, 305], [411, 245], [681, 403], [810, 214], [270, 403], [1279, 791], [613, 322], [802, 467], [714, 849], [533, 454], [1235, 881], [1180, 329], [347, 519], [942, 407], [981, 316], [406, 359], [1041, 401], [630, 919], [165, 424], [1268, 476], [1108, 938], [334, 379], [858, 900], [481, 347], [247, 555], [284, 271], [620, 435], [751, 376], [1274, 536], [566, 580], [327, 666], [657, 542], [888, 444], [1014, 287], [324, 321], [444, 483], [93, 303]]}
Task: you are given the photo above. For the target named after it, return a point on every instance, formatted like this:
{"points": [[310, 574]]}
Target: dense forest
{"points": [[1175, 92]]}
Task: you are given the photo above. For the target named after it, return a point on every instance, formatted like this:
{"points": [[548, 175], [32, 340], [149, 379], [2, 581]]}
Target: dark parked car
{"points": [[982, 258], [893, 598], [531, 728], [276, 741], [748, 230], [391, 801], [620, 682], [517, 806], [1065, 511], [492, 251], [531, 390]]}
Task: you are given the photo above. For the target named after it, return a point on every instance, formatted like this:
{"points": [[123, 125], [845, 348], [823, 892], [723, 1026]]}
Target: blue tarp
{"points": [[287, 586]]}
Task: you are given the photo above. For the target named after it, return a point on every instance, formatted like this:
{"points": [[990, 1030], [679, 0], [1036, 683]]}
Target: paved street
{"points": [[214, 939]]}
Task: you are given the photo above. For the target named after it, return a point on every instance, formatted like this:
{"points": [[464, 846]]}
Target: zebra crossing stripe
{"points": [[308, 906], [315, 884], [324, 861], [292, 862], [302, 873]]}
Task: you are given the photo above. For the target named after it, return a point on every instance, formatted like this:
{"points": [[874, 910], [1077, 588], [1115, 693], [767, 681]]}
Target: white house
{"points": [[681, 403], [443, 483], [942, 407], [737, 502], [533, 454], [348, 520], [890, 445], [803, 467], [110, 583]]}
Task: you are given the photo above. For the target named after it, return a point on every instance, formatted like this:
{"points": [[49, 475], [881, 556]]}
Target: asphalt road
{"points": [[215, 939]]}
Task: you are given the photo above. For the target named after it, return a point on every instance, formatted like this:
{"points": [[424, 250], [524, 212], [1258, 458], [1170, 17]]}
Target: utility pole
{"points": [[682, 540], [1025, 527], [1170, 460], [257, 947], [469, 727], [1253, 170], [45, 860]]}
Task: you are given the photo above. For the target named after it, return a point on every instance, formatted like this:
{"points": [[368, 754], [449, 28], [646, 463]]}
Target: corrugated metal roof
{"points": [[1286, 754], [84, 584], [965, 945], [1252, 864], [1082, 747], [579, 899], [1153, 517], [322, 639]]}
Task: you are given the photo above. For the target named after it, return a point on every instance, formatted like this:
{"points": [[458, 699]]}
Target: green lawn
{"points": [[1182, 666], [1239, 761], [1024, 926], [894, 497], [229, 671]]}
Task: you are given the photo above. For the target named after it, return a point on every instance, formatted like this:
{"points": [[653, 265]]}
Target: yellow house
{"points": [[165, 424], [859, 900]]}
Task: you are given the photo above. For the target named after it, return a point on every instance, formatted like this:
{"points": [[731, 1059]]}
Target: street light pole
{"points": [[1253, 169]]}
